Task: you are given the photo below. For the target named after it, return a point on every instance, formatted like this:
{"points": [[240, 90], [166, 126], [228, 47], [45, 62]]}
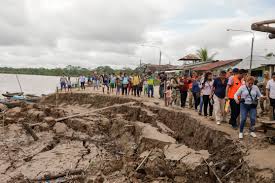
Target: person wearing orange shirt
{"points": [[234, 83]]}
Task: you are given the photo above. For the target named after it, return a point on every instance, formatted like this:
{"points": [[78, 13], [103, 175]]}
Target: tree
{"points": [[203, 54]]}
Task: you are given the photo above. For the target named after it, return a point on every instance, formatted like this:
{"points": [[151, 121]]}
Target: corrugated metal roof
{"points": [[257, 61], [214, 65]]}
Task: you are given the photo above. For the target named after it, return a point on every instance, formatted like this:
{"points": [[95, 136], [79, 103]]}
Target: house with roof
{"points": [[260, 64], [214, 66]]}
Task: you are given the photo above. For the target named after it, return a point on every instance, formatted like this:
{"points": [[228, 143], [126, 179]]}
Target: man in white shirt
{"points": [[270, 91]]}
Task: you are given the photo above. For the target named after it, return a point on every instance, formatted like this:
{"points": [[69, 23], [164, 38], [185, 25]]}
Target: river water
{"points": [[31, 84]]}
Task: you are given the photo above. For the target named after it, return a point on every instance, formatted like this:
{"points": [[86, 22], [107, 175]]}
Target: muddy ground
{"points": [[126, 140]]}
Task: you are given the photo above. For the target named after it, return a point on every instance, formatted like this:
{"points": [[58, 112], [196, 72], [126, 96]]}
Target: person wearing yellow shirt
{"points": [[136, 82]]}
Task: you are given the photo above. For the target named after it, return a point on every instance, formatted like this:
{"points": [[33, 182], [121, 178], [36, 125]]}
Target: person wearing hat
{"points": [[234, 83]]}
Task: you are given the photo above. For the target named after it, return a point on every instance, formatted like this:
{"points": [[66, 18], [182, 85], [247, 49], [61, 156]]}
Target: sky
{"points": [[120, 33]]}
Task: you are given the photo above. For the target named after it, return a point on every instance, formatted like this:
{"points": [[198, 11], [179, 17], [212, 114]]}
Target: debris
{"points": [[52, 177], [219, 180], [233, 170], [30, 131], [146, 157]]}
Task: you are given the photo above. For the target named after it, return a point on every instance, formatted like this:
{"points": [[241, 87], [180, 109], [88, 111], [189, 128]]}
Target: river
{"points": [[31, 84]]}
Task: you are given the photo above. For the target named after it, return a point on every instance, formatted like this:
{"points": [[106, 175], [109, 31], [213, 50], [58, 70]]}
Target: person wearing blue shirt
{"points": [[218, 94], [125, 82], [196, 92]]}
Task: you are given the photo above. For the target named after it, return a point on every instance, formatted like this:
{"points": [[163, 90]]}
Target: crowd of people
{"points": [[232, 93]]}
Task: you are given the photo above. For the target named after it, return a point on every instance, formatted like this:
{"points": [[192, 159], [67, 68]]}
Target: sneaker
{"points": [[240, 135], [218, 123], [253, 134]]}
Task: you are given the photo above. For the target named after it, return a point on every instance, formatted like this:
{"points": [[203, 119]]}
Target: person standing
{"points": [[106, 81], [247, 97], [136, 82], [69, 84], [168, 96], [82, 82], [118, 84], [234, 83], [162, 78], [196, 92], [264, 103], [270, 93], [63, 81], [184, 85], [112, 82], [151, 83], [206, 90], [190, 94], [219, 88], [125, 82]]}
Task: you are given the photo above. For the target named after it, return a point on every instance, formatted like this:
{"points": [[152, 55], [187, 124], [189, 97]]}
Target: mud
{"points": [[109, 145]]}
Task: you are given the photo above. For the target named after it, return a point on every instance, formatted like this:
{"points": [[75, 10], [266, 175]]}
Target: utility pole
{"points": [[160, 57], [139, 62], [251, 57]]}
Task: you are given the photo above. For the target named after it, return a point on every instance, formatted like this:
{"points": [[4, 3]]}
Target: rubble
{"points": [[124, 143]]}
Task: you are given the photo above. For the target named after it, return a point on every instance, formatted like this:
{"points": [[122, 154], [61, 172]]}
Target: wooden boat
{"points": [[32, 98], [11, 103], [8, 94]]}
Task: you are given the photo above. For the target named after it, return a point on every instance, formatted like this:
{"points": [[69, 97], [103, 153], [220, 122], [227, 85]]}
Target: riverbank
{"points": [[125, 139]]}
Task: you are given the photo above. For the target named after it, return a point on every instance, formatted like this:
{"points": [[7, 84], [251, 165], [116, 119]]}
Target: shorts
{"points": [[112, 85]]}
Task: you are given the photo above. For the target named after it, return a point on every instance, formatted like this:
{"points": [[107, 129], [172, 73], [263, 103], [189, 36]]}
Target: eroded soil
{"points": [[131, 141]]}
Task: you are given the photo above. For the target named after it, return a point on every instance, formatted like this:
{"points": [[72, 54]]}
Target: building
{"points": [[259, 65], [216, 66]]}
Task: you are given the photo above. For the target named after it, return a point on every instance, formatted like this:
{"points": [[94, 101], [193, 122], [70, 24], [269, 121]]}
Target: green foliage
{"points": [[69, 70], [203, 54]]}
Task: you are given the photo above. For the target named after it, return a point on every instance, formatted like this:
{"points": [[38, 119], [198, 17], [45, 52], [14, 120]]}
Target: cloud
{"points": [[35, 33]]}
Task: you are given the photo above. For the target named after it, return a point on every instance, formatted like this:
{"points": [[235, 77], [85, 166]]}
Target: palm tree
{"points": [[204, 56]]}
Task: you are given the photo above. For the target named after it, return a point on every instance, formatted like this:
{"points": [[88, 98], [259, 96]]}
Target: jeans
{"points": [[161, 91], [245, 109], [190, 98], [196, 96], [201, 103], [136, 90], [124, 89], [206, 103], [235, 112], [150, 90], [82, 85], [183, 97]]}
